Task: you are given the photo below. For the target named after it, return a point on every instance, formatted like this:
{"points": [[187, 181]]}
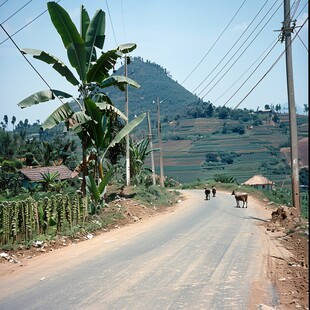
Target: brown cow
{"points": [[241, 197], [213, 191]]}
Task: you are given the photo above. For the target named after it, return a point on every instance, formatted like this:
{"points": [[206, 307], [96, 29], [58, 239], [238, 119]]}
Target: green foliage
{"points": [[304, 176], [223, 178], [283, 196], [155, 195], [91, 116], [27, 219], [139, 150]]}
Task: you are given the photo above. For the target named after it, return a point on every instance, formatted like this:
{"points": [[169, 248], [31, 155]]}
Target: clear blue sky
{"points": [[182, 36]]}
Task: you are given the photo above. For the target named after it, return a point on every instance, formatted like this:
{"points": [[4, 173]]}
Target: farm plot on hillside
{"points": [[258, 150]]}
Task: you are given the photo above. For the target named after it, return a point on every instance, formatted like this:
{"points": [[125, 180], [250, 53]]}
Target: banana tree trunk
{"points": [[84, 164]]}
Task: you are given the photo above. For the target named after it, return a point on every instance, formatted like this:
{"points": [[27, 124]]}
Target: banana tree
{"points": [[97, 187], [139, 150], [93, 77]]}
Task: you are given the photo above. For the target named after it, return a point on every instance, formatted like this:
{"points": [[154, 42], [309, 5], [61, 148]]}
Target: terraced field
{"points": [[184, 159]]}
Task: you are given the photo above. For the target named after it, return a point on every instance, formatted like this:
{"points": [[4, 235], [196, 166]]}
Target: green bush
{"points": [[224, 178]]}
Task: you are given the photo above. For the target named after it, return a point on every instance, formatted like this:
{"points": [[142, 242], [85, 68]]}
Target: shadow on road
{"points": [[255, 218]]}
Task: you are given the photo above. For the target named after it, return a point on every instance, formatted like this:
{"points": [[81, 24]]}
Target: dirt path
{"points": [[285, 256]]}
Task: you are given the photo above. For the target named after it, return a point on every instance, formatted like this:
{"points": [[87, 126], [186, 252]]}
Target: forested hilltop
{"points": [[156, 82]]}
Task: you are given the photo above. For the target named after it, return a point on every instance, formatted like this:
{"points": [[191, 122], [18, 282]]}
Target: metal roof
{"points": [[36, 173]]}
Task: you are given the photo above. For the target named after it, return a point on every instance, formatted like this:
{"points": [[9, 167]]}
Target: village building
{"points": [[260, 182], [32, 175]]}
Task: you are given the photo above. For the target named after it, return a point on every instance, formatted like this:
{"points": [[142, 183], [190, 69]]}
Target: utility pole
{"points": [[127, 136], [160, 145], [151, 147], [287, 30]]}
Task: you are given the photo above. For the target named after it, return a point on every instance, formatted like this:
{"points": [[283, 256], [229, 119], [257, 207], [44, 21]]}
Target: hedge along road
{"points": [[206, 254]]}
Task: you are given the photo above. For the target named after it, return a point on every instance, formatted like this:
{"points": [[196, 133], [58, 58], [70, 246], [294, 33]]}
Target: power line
{"points": [[239, 50], [215, 67], [261, 55], [111, 22], [257, 67], [122, 9], [209, 49], [37, 72], [3, 3], [277, 60], [16, 12], [251, 73], [12, 35], [302, 42], [298, 26], [214, 43]]}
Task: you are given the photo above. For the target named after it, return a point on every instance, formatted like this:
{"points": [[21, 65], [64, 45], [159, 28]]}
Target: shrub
{"points": [[224, 178]]}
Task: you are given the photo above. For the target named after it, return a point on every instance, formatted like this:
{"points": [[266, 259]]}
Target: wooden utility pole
{"points": [[127, 136], [160, 145], [151, 147], [287, 30]]}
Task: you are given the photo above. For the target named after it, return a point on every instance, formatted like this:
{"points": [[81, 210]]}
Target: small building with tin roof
{"points": [[32, 175]]}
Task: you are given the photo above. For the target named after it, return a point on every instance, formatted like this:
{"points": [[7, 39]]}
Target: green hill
{"points": [[155, 83], [201, 140]]}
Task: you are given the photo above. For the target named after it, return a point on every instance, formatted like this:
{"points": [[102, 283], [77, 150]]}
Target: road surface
{"points": [[204, 255]]}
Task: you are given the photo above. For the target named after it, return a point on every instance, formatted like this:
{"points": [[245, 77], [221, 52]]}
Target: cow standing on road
{"points": [[241, 197], [213, 191], [207, 193]]}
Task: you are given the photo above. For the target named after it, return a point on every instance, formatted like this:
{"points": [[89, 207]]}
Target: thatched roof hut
{"points": [[260, 182]]}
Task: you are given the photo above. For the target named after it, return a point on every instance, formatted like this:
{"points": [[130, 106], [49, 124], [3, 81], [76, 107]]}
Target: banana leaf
{"points": [[42, 96], [119, 81], [107, 106], [95, 35], [61, 114], [100, 69], [127, 48], [71, 38], [126, 130], [58, 65], [84, 22], [92, 187]]}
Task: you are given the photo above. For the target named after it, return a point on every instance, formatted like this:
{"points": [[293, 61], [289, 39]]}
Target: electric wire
{"points": [[215, 67], [254, 70], [208, 50], [276, 61], [16, 12], [214, 43], [31, 65], [111, 22], [123, 20], [3, 3], [257, 59], [30, 22], [251, 73], [303, 43], [298, 26], [239, 55]]}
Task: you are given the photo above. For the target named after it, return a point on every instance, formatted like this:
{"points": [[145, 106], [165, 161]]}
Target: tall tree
{"points": [[13, 121], [6, 121], [92, 114]]}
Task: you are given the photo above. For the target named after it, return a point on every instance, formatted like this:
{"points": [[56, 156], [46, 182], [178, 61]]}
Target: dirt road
{"points": [[199, 255]]}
